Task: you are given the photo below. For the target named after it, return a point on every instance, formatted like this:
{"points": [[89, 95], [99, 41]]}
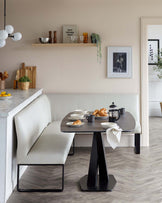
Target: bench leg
{"points": [[39, 190], [73, 148], [137, 143]]}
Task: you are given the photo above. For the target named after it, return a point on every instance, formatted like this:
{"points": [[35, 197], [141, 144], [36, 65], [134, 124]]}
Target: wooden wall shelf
{"points": [[66, 45]]}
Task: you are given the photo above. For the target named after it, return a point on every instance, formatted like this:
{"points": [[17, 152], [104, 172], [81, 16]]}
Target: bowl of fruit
{"points": [[5, 95]]}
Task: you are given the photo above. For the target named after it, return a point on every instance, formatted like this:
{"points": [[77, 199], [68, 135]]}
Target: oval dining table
{"points": [[98, 181]]}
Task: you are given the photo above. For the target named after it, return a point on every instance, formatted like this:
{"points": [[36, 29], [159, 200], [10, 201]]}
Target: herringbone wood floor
{"points": [[139, 177]]}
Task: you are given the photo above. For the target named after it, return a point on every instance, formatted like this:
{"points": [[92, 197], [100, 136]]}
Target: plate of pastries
{"points": [[101, 114], [76, 123]]}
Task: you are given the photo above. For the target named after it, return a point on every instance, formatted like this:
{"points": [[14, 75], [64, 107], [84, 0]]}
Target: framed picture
{"points": [[119, 62], [68, 31], [153, 51]]}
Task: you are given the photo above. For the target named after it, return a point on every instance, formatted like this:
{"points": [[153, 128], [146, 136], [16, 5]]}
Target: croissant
{"points": [[78, 122], [95, 112], [103, 112]]}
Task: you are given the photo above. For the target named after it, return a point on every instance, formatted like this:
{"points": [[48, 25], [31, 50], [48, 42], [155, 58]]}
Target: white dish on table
{"points": [[76, 116], [109, 125], [70, 124], [5, 98], [79, 111]]}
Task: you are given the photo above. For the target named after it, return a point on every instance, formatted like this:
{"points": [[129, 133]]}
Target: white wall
{"points": [[155, 84]]}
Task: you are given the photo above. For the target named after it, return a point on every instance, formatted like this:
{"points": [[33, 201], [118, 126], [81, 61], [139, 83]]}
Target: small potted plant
{"points": [[95, 38], [24, 83]]}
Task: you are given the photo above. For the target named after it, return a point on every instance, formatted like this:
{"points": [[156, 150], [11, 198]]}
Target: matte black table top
{"points": [[126, 123]]}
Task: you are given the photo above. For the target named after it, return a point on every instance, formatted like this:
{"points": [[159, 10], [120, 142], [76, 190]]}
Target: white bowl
{"points": [[5, 98], [79, 111], [77, 116]]}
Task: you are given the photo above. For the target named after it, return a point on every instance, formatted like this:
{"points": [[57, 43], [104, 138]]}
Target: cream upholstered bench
{"points": [[40, 141]]}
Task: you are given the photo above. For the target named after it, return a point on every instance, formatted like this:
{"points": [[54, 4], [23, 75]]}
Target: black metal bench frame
{"points": [[39, 190]]}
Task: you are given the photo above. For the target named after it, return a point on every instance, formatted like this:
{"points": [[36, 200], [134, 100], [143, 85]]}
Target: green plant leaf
{"points": [[24, 79], [96, 38]]}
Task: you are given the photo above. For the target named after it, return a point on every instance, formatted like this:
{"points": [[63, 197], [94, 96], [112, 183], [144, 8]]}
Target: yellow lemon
{"points": [[2, 93], [8, 94]]}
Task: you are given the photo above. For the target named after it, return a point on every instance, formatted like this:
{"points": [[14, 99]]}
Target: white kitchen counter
{"points": [[18, 97], [8, 109]]}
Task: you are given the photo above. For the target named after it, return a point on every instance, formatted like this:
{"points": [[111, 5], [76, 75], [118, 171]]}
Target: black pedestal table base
{"points": [[99, 188], [94, 181]]}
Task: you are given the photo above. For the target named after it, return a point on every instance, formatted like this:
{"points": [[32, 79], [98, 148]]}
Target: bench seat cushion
{"points": [[52, 147]]}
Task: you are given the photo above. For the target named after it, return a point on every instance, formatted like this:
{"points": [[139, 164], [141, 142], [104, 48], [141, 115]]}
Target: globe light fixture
{"points": [[17, 36], [8, 31], [3, 34], [2, 43]]}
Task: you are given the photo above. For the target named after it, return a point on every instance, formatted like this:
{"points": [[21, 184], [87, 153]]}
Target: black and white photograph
{"points": [[153, 51], [119, 62]]}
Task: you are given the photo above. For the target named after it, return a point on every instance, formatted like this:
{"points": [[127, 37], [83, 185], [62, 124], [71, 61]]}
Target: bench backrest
{"points": [[63, 103], [30, 123]]}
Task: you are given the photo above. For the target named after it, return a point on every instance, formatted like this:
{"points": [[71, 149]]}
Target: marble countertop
{"points": [[18, 97]]}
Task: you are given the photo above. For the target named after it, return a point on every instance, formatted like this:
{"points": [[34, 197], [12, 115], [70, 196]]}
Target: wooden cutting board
{"points": [[29, 71]]}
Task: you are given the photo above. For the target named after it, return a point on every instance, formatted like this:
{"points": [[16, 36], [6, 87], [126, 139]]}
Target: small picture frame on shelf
{"points": [[119, 62], [153, 51], [68, 31]]}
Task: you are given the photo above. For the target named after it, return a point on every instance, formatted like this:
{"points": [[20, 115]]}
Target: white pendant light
{"points": [[8, 31], [17, 36], [2, 43], [3, 34]]}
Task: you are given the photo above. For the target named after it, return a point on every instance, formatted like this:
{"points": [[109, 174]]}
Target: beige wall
{"points": [[75, 69]]}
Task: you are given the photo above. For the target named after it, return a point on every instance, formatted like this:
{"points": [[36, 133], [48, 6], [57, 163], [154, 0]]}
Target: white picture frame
{"points": [[68, 31], [119, 62]]}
